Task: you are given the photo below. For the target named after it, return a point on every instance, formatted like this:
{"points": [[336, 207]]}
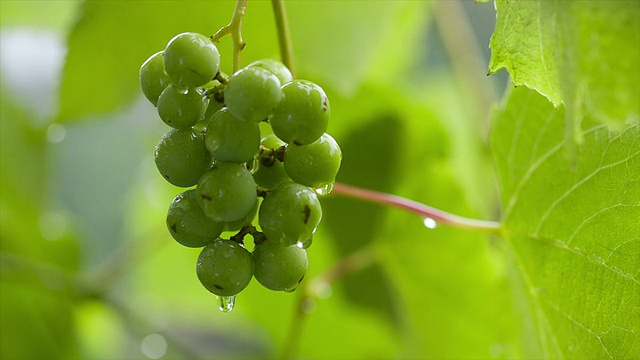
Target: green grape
{"points": [[181, 110], [279, 268], [252, 94], [191, 60], [213, 107], [224, 267], [227, 192], [247, 220], [188, 224], [182, 157], [276, 68], [314, 165], [303, 113], [290, 213], [232, 140], [270, 171], [153, 79]]}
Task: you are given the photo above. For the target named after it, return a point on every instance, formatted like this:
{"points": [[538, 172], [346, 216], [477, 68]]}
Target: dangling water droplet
{"points": [[430, 223], [226, 303], [292, 289], [305, 244], [324, 189], [253, 165]]}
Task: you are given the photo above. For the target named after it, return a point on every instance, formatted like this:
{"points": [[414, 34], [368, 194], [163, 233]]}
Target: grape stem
{"points": [[234, 28], [276, 154], [284, 35], [425, 211]]}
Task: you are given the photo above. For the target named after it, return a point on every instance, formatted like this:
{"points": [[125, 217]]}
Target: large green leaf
{"points": [[583, 54], [572, 227]]}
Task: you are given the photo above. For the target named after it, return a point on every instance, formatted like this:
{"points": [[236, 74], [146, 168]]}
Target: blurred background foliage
{"points": [[88, 269]]}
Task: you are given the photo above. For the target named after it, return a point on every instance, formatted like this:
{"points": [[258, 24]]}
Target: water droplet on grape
{"points": [[292, 289], [305, 244], [181, 90], [430, 223], [226, 303], [324, 189]]}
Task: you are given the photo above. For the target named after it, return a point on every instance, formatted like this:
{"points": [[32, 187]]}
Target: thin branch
{"points": [[234, 28], [284, 35], [441, 217]]}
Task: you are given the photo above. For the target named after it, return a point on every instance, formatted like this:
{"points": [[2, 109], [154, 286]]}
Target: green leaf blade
{"points": [[573, 227], [582, 54]]}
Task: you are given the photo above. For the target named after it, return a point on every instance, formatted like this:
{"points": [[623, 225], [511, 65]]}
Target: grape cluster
{"points": [[216, 145]]}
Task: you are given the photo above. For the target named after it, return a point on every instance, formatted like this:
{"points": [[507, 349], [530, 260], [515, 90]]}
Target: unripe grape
{"points": [[279, 268], [276, 68], [153, 79], [182, 157], [303, 113], [290, 213], [227, 192], [247, 220], [232, 140], [188, 224], [181, 110], [270, 171], [314, 165], [224, 267], [213, 107], [191, 60], [252, 94]]}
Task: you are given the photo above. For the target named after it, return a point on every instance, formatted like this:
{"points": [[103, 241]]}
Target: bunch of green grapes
{"points": [[216, 145]]}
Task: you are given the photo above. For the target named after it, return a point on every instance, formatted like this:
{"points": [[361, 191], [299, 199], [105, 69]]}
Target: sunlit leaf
{"points": [[583, 54], [572, 227]]}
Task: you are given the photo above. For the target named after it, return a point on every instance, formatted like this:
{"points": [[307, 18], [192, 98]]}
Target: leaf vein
{"points": [[597, 213], [545, 216], [581, 325], [532, 169], [596, 260]]}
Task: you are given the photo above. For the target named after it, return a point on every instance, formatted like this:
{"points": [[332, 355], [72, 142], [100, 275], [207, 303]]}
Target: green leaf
{"points": [[583, 54], [572, 227]]}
